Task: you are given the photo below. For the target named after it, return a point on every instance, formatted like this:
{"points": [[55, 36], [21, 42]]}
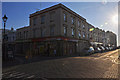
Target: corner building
{"points": [[57, 28]]}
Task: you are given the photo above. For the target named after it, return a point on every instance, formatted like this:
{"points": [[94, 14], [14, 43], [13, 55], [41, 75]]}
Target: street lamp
{"points": [[4, 19]]}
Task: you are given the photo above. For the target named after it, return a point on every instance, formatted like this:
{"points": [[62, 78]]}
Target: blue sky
{"points": [[96, 13]]}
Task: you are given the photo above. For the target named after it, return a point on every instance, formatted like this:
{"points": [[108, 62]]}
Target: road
{"points": [[100, 65]]}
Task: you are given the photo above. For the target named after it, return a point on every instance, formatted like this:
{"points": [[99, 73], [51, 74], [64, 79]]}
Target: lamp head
{"points": [[5, 18]]}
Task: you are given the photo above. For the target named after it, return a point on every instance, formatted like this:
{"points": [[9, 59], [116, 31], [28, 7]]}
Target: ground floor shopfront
{"points": [[50, 47]]}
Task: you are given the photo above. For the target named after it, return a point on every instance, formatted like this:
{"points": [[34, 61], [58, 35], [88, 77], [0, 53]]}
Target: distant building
{"points": [[111, 39], [58, 28], [10, 37]]}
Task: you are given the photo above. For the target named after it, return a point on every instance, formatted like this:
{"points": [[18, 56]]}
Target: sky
{"points": [[99, 14]]}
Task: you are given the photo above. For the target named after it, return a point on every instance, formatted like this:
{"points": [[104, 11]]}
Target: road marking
{"points": [[4, 73], [14, 74], [8, 73], [31, 76], [18, 74], [22, 76]]}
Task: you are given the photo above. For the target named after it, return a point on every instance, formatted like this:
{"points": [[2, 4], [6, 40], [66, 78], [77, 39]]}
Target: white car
{"points": [[89, 50]]}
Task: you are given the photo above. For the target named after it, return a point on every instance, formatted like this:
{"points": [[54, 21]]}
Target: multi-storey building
{"points": [[57, 28], [111, 39], [9, 41], [10, 35]]}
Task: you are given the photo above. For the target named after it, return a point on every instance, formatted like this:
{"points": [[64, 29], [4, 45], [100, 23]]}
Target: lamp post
{"points": [[4, 20]]}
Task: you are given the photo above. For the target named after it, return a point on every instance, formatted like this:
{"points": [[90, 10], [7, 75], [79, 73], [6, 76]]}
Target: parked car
{"points": [[111, 48], [98, 50], [106, 48], [89, 50], [102, 48], [95, 49]]}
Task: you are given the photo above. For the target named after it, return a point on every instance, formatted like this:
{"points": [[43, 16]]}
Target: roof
{"points": [[23, 27], [55, 7]]}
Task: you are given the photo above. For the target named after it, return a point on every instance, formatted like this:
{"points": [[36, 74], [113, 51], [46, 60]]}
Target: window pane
{"points": [[52, 31], [72, 20], [34, 21], [72, 32], [42, 19], [83, 34], [65, 17], [78, 23], [65, 30], [79, 34], [83, 25]]}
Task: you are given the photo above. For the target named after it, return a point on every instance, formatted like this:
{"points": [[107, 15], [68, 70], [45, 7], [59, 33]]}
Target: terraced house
{"points": [[58, 28]]}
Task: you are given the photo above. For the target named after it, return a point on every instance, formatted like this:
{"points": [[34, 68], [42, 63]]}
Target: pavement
{"points": [[19, 60], [100, 65]]}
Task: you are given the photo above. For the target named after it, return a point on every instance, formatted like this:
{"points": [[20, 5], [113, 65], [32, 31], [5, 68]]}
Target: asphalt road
{"points": [[100, 65]]}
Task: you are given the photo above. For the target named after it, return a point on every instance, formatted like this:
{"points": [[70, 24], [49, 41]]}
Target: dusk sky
{"points": [[102, 15]]}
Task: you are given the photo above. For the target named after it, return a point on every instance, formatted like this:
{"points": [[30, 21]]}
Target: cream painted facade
{"points": [[60, 27], [111, 39]]}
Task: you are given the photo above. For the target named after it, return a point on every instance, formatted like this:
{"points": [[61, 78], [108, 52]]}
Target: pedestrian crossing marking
{"points": [[15, 74], [31, 76]]}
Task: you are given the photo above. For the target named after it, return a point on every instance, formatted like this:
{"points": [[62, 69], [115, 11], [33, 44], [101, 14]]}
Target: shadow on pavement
{"points": [[19, 60]]}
